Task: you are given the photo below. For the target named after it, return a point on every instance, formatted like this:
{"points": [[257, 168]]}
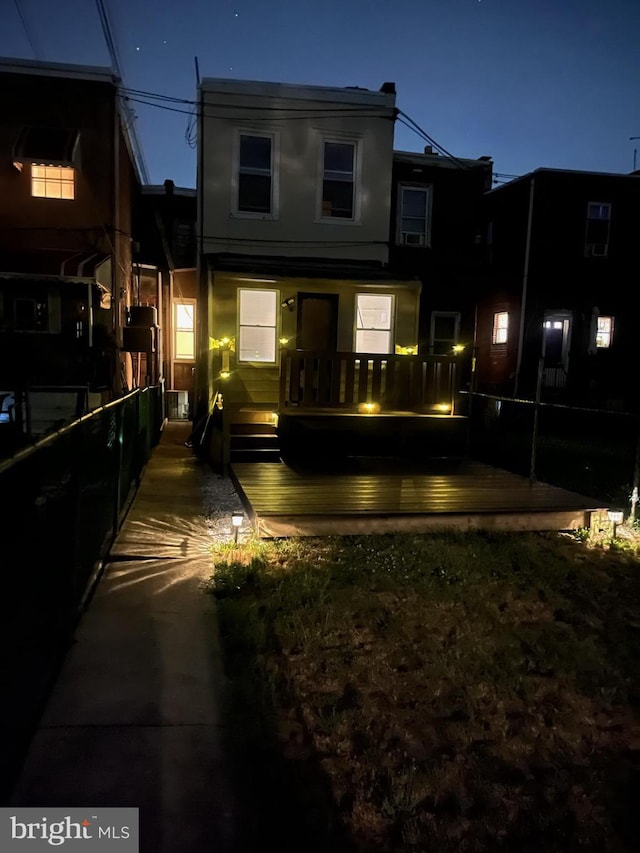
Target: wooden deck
{"points": [[386, 497]]}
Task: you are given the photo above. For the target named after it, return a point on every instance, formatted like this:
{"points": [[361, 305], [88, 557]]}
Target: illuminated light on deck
{"points": [[458, 348], [443, 407], [369, 408], [225, 374], [284, 341]]}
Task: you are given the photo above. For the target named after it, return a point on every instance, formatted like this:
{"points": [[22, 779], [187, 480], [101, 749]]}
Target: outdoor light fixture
{"points": [[284, 341], [289, 303], [236, 519], [458, 348], [443, 407], [224, 374], [616, 517], [369, 408]]}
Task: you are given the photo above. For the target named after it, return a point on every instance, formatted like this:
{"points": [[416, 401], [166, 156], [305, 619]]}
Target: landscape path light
{"points": [[236, 519]]}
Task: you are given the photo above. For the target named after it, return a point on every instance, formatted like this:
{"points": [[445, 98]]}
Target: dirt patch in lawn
{"points": [[445, 693]]}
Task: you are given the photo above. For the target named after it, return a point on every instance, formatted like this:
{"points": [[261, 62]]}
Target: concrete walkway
{"points": [[136, 716]]}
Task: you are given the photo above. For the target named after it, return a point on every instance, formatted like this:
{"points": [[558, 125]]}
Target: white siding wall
{"points": [[296, 228]]}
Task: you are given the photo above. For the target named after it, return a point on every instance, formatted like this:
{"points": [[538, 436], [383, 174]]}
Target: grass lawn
{"points": [[436, 693]]}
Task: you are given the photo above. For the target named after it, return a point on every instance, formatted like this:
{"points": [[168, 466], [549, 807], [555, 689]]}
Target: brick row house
{"points": [[558, 297], [68, 177]]}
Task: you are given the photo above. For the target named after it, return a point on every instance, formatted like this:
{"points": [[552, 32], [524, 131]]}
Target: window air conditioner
{"points": [[597, 250], [411, 238]]}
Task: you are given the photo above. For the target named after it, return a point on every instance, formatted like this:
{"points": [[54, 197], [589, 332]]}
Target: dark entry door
{"points": [[317, 322]]}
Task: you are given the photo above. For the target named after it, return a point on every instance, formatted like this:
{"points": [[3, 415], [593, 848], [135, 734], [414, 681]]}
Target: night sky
{"points": [[531, 83]]}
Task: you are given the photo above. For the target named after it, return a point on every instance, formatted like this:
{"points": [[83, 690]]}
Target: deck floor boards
{"points": [[389, 496]]}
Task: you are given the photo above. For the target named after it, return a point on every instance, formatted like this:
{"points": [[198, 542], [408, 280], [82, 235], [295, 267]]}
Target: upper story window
{"points": [[338, 180], [500, 330], [597, 229], [604, 332], [374, 318], [413, 215], [52, 181], [255, 179], [258, 325]]}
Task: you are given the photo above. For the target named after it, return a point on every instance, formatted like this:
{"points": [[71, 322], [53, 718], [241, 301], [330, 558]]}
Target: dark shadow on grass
{"points": [[286, 803]]}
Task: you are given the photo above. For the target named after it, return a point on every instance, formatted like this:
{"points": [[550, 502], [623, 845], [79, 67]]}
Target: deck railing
{"points": [[345, 380]]}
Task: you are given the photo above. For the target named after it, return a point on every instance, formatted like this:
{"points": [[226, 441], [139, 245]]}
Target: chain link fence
{"points": [[590, 451]]}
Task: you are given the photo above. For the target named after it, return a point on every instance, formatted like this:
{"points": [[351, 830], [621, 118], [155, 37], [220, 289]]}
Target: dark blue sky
{"points": [[529, 82]]}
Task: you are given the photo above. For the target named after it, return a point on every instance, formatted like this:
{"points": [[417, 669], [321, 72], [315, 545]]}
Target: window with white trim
{"points": [[500, 327], [597, 229], [184, 330], [374, 318], [255, 174], [338, 180], [604, 332], [257, 325], [413, 216], [52, 181]]}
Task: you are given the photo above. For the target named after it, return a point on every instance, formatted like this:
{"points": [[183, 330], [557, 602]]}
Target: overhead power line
{"points": [[27, 30]]}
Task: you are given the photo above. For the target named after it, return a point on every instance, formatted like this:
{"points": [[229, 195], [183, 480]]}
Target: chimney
{"points": [[428, 149], [169, 186], [388, 88]]}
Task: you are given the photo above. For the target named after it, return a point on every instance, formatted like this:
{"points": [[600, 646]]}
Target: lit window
{"points": [[255, 174], [257, 311], [52, 181], [184, 330], [374, 314], [338, 180], [413, 216], [500, 327], [604, 333]]}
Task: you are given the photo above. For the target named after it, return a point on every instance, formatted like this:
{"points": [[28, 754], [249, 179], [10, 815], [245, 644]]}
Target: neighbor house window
{"points": [[52, 181], [500, 327], [413, 216], [255, 174], [597, 230], [604, 332], [445, 326], [374, 315], [184, 330], [338, 180], [257, 312]]}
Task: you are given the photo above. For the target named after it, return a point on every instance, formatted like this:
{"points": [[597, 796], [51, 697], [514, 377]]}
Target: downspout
{"points": [[202, 337], [525, 285]]}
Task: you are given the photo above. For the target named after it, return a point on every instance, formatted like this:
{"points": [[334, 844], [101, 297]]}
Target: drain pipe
{"points": [[525, 284]]}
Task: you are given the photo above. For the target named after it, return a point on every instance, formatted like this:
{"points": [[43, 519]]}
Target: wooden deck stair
{"points": [[253, 436]]}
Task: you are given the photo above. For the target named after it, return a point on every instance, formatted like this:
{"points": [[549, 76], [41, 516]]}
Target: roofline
{"points": [[436, 159], [296, 91], [160, 189], [547, 169], [102, 73]]}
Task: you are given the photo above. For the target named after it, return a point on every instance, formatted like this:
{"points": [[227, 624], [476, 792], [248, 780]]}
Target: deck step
{"points": [[254, 443]]}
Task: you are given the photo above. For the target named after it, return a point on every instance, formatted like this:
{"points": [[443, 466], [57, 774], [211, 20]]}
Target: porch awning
{"points": [[53, 263], [50, 145]]}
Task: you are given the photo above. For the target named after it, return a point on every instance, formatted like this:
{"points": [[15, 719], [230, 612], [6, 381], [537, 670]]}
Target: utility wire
{"points": [[27, 30]]}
